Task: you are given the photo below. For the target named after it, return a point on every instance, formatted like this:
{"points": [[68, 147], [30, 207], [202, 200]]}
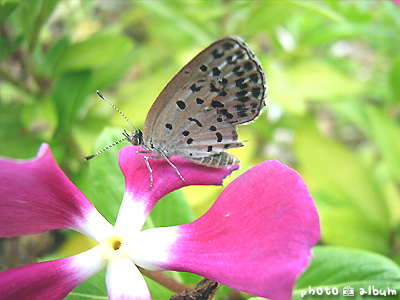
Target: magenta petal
{"points": [[166, 180], [52, 279], [36, 196], [256, 238]]}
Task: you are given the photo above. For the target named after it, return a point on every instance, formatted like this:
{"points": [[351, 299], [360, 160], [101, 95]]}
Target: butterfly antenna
{"points": [[102, 150], [122, 114]]}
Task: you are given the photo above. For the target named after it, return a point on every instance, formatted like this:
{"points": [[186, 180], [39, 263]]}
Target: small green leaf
{"points": [[69, 94], [93, 53]]}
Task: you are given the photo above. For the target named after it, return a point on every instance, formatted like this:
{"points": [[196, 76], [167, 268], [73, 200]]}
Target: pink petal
{"points": [[139, 199], [36, 196], [125, 282], [51, 279], [256, 238]]}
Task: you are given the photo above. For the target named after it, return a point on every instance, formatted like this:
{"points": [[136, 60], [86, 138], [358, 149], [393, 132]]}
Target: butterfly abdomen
{"points": [[220, 160]]}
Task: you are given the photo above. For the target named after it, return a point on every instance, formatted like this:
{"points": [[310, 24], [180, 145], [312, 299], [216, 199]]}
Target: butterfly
{"points": [[196, 115]]}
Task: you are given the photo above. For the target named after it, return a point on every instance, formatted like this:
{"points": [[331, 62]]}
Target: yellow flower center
{"points": [[113, 248]]}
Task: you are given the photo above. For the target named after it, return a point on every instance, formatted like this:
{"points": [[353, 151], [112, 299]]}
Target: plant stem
{"points": [[165, 280]]}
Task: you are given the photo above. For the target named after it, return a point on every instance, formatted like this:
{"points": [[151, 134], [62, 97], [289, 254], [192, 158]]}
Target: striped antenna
{"points": [[113, 144], [102, 150], [122, 114]]}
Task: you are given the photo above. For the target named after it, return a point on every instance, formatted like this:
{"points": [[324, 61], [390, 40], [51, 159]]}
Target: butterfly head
{"points": [[136, 138]]}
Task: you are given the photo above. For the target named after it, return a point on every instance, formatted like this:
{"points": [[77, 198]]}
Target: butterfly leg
{"points": [[176, 169], [137, 155], [146, 159]]}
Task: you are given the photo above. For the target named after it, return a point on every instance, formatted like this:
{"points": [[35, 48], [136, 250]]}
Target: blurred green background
{"points": [[333, 106]]}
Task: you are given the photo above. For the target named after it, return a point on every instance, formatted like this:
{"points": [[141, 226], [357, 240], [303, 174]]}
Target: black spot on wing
{"points": [[199, 101], [216, 104], [195, 88], [217, 54], [227, 45], [168, 126], [241, 96], [196, 121], [226, 113], [236, 70], [216, 71], [239, 55], [204, 68], [181, 104], [240, 84], [248, 66], [254, 77], [219, 137], [213, 88], [230, 60], [255, 92]]}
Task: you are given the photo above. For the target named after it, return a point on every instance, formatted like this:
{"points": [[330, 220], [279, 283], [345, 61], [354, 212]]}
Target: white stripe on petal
{"points": [[96, 226], [88, 263], [124, 281], [131, 216], [153, 247]]}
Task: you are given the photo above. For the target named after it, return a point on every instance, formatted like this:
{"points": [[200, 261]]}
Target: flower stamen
{"points": [[112, 248]]}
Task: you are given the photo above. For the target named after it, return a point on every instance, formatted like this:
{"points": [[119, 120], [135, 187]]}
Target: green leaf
{"points": [[320, 9], [165, 10], [350, 203], [92, 53], [320, 81], [16, 141], [106, 177], [110, 73], [93, 288], [53, 55], [170, 210], [69, 94], [6, 9], [379, 128], [335, 267], [394, 79]]}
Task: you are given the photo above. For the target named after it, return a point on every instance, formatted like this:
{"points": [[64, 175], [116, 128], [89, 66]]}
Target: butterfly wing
{"points": [[196, 114]]}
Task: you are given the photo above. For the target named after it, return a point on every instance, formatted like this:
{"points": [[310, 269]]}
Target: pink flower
{"points": [[257, 237]]}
